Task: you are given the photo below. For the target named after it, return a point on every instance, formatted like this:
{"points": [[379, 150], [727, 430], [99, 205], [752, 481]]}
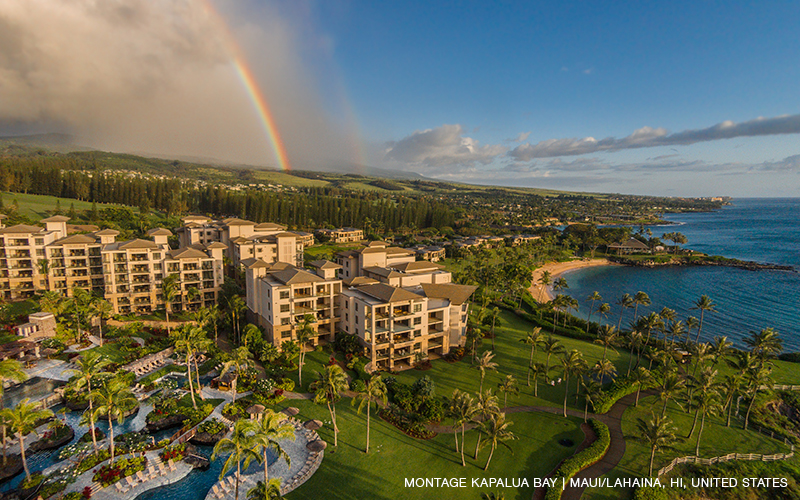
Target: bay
{"points": [[763, 230]]}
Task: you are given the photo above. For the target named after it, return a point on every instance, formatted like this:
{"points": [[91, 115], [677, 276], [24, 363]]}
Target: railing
{"points": [[778, 387], [724, 458]]}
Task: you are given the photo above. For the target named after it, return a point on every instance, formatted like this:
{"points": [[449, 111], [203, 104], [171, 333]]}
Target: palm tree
{"points": [[374, 390], [89, 365], [641, 376], [114, 401], [571, 363], [670, 386], [170, 288], [267, 432], [52, 302], [508, 385], [304, 334], [462, 409], [658, 433], [604, 309], [560, 284], [635, 343], [544, 280], [595, 296], [79, 307], [272, 491], [603, 369], [676, 329], [241, 359], [706, 391], [704, 303], [757, 377], [764, 344], [327, 389], [184, 340], [235, 305], [534, 339], [495, 495], [486, 406], [485, 363], [494, 313], [640, 299], [10, 370], [497, 432], [667, 316], [720, 348], [551, 346], [102, 310], [22, 419], [731, 386], [592, 391], [607, 337], [691, 324], [624, 302], [649, 322], [239, 447]]}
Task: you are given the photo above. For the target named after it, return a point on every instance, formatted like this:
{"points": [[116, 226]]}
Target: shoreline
{"points": [[556, 270]]}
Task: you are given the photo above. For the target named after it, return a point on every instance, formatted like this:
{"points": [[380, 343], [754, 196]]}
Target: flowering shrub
{"points": [[176, 452], [212, 426], [87, 492], [110, 474]]}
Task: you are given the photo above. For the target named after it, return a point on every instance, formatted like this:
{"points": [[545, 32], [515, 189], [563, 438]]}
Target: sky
{"points": [[665, 98]]}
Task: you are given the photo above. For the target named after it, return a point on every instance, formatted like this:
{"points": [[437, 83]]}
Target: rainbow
{"points": [[251, 86]]}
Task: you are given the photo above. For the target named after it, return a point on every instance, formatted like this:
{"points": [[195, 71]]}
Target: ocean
{"points": [[764, 230]]}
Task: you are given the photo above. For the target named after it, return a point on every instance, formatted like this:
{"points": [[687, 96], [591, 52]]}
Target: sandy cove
{"points": [[557, 269]]}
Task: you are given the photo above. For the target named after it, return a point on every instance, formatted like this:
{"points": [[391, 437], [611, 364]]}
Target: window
{"points": [[39, 241], [156, 255], [40, 252], [417, 308], [285, 321], [285, 294], [284, 308], [417, 321]]}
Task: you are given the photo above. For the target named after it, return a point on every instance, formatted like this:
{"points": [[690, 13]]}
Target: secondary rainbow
{"points": [[251, 85]]}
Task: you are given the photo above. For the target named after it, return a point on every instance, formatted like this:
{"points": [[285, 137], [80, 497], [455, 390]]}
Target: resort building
{"points": [[127, 273], [396, 325], [631, 245], [374, 254], [342, 235], [279, 296], [39, 325], [307, 239], [432, 254], [244, 239]]}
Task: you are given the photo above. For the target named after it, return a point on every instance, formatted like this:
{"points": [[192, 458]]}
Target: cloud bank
{"points": [[441, 146], [647, 137], [157, 77]]}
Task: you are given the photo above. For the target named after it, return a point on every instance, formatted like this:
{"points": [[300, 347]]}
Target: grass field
{"points": [[349, 473], [39, 206]]}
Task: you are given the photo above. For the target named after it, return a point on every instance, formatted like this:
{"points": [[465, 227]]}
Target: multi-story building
{"points": [[396, 324], [374, 254], [431, 253], [342, 234], [279, 296], [244, 239], [126, 273], [306, 238]]}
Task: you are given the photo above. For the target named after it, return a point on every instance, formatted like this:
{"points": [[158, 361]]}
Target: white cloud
{"points": [[647, 137], [521, 137], [440, 147]]}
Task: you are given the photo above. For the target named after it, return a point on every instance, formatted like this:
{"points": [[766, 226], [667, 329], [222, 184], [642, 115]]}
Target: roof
{"points": [[388, 293], [76, 239], [280, 266], [398, 250], [159, 231], [285, 234], [382, 271], [301, 233], [294, 276], [324, 264], [107, 232], [41, 315], [187, 253], [233, 221], [456, 294], [21, 229], [56, 218], [137, 244], [360, 280], [253, 263], [377, 244], [630, 243], [215, 245], [408, 267], [269, 225], [195, 217]]}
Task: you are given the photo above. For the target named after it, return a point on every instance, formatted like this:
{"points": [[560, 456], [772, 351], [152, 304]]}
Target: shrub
{"points": [[650, 493], [424, 386], [74, 495], [212, 426], [175, 452], [286, 384], [581, 460]]}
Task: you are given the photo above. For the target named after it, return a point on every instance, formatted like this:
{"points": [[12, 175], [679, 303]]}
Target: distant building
{"points": [[631, 245], [342, 234], [429, 253]]}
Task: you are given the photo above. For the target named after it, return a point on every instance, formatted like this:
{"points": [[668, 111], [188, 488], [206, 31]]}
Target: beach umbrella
{"points": [[317, 445], [312, 425], [291, 411]]}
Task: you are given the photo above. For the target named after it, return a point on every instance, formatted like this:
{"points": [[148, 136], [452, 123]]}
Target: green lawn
{"points": [[348, 473], [40, 206], [716, 440]]}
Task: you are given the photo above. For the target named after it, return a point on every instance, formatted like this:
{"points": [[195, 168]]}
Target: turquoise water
{"points": [[763, 230]]}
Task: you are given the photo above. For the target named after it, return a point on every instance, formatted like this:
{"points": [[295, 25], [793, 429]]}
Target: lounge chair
{"points": [[172, 465], [130, 481], [120, 488], [162, 468], [141, 476]]}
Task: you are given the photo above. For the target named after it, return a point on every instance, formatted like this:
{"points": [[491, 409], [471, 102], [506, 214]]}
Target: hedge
{"points": [[581, 460]]}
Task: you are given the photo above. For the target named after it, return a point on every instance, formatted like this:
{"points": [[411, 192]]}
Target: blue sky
{"points": [[675, 98], [564, 70]]}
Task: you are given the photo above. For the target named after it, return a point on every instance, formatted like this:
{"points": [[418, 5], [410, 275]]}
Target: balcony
{"points": [[381, 314], [381, 339], [382, 354], [401, 339], [20, 254], [401, 327], [138, 257], [142, 269], [77, 253], [120, 258], [399, 312], [435, 342], [191, 267]]}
